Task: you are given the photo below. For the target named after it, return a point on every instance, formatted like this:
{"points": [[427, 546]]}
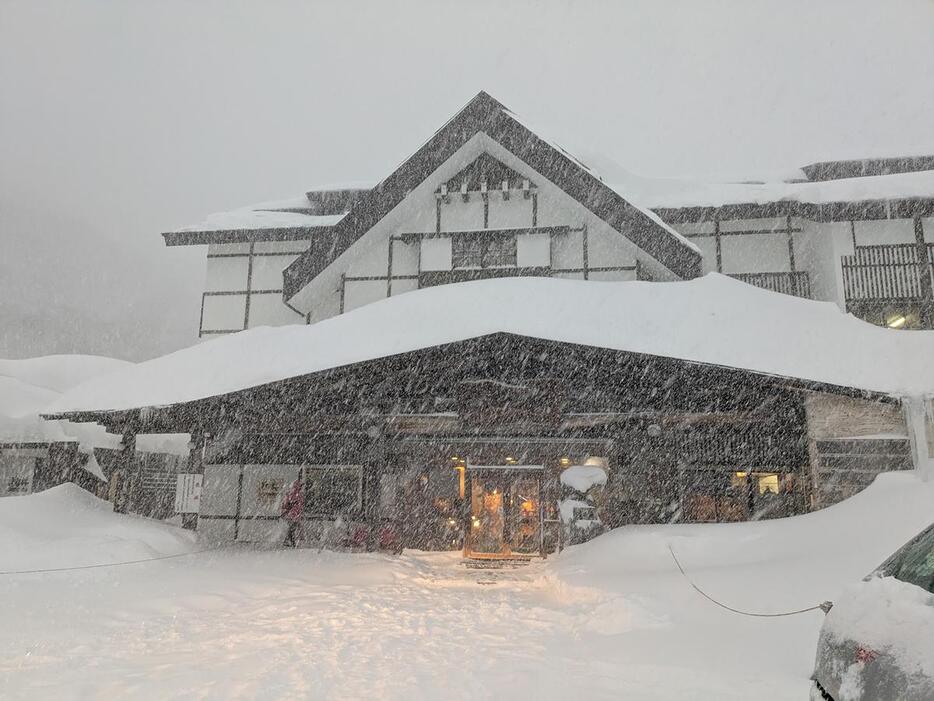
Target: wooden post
{"points": [[128, 498], [924, 276], [373, 469], [716, 235], [791, 244]]}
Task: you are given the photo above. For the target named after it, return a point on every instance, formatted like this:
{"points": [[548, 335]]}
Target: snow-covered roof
{"points": [[264, 216], [28, 386], [682, 192], [712, 319]]}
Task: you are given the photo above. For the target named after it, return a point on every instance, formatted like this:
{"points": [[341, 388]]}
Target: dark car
{"points": [[896, 600]]}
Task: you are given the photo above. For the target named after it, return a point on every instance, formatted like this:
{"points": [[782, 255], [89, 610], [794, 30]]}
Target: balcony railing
{"points": [[797, 284], [885, 272]]}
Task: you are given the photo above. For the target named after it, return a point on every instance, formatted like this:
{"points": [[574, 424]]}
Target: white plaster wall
{"points": [[869, 233], [295, 247], [457, 215], [755, 253], [267, 271], [253, 475], [817, 251], [268, 309], [226, 274], [228, 248], [436, 253], [360, 292], [568, 250], [533, 250], [223, 312], [405, 258], [234, 274], [402, 286], [219, 491], [514, 213]]}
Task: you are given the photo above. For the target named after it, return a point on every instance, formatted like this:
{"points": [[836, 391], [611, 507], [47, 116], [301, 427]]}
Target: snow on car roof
{"points": [[712, 319]]}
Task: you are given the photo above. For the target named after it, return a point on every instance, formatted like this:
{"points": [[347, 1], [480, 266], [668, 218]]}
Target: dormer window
{"points": [[481, 249]]}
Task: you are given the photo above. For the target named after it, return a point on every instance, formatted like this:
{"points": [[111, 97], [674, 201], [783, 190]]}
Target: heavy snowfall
{"points": [[603, 369]]}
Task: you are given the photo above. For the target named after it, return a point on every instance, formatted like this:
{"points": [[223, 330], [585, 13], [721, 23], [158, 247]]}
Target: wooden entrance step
{"points": [[496, 564]]}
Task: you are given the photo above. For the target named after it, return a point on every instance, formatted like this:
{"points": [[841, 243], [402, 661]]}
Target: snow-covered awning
{"points": [[712, 319]]}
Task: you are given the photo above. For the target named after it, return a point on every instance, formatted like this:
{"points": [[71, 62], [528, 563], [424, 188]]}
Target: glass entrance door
{"points": [[505, 513]]}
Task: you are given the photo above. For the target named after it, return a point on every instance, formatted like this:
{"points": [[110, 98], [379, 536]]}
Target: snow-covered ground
{"points": [[608, 619]]}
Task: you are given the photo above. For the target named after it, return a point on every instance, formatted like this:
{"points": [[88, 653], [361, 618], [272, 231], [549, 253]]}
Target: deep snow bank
{"points": [[791, 560], [28, 386], [66, 526]]}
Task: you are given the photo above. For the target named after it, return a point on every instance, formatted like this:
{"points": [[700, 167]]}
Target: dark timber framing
{"points": [[484, 114], [462, 274], [250, 254]]}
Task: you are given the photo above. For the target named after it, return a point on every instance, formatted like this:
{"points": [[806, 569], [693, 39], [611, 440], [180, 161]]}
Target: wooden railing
{"points": [[885, 272], [797, 284]]}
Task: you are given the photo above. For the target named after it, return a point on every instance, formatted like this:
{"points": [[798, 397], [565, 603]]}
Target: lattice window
{"points": [[480, 250]]}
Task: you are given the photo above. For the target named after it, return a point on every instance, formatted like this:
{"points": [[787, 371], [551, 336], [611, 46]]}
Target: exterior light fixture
{"points": [[896, 322], [565, 461]]}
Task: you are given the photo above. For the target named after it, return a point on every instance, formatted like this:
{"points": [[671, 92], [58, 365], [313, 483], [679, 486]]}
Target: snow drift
{"points": [[67, 527]]}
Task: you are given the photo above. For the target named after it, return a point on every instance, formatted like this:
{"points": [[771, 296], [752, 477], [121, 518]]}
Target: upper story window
{"points": [[483, 250]]}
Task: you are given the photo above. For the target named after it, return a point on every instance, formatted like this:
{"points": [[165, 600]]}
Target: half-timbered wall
{"points": [[388, 259], [243, 286]]}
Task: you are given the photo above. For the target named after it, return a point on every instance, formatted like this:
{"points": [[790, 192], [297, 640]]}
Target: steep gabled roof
{"points": [[484, 114]]}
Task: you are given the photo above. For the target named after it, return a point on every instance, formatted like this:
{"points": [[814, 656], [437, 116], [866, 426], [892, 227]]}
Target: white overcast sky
{"points": [[119, 120]]}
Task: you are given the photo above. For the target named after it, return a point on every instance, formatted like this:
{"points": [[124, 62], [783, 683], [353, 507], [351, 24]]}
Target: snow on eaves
{"points": [[712, 319], [28, 386], [266, 215], [681, 192]]}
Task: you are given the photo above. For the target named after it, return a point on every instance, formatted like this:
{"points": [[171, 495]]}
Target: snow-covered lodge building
{"points": [[456, 412], [488, 197]]}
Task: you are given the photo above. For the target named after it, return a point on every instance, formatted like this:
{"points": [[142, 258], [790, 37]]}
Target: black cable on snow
{"points": [[106, 564], [825, 606]]}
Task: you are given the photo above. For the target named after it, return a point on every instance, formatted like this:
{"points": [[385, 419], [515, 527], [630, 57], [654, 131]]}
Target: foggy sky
{"points": [[119, 120]]}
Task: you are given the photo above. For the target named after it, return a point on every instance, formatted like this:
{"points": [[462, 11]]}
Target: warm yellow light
{"points": [[455, 458], [565, 461], [452, 522], [896, 322], [510, 459], [740, 474]]}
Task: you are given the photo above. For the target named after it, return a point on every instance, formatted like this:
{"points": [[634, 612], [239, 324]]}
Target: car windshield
{"points": [[914, 562]]}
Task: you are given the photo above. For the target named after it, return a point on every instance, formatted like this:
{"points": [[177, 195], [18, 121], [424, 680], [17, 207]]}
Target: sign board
{"points": [[188, 493]]}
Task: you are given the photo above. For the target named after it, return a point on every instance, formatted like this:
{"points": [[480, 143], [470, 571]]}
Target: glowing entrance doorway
{"points": [[505, 511]]}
